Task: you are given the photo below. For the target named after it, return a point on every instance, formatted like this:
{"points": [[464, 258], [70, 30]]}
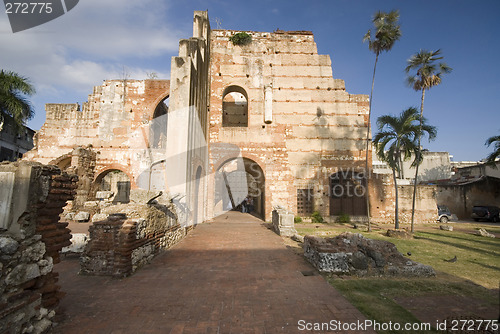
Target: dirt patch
{"points": [[431, 308]]}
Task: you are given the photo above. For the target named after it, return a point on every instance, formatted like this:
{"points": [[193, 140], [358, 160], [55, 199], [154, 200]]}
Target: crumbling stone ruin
{"points": [[31, 199], [124, 242], [353, 254], [266, 120]]}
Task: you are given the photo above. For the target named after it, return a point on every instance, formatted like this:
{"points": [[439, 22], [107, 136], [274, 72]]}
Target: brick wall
{"points": [[119, 246]]}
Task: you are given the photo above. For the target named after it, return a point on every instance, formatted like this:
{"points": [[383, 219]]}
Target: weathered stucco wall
{"points": [[382, 201], [302, 124], [460, 198], [116, 122]]}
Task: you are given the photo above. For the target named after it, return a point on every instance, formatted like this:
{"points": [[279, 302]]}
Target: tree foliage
{"points": [[387, 32], [13, 102], [241, 38], [427, 73], [493, 156], [397, 141]]}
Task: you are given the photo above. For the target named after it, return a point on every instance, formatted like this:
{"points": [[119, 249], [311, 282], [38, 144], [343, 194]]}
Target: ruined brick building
{"points": [[265, 119]]}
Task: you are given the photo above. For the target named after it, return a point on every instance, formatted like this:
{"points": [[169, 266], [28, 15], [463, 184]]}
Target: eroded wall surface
{"points": [[302, 125], [117, 121]]}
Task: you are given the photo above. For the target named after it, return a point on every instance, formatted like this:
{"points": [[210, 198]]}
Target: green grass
{"points": [[476, 270], [374, 297], [478, 257]]}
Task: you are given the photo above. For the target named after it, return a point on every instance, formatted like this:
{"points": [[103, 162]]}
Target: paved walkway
{"points": [[232, 275]]}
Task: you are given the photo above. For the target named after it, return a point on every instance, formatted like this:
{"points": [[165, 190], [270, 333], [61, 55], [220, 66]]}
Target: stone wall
{"points": [[119, 245], [382, 201], [303, 125], [31, 236]]}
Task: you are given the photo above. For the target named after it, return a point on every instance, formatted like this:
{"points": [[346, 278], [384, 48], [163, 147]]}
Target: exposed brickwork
{"points": [[119, 246]]}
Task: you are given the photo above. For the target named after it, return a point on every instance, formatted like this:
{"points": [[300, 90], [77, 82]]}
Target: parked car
{"points": [[444, 214], [486, 212]]}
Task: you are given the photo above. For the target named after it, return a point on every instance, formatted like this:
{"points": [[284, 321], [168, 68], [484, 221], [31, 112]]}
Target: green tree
{"points": [[423, 72], [493, 156], [386, 33], [397, 141], [13, 102]]}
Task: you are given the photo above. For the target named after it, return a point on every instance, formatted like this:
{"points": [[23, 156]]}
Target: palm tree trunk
{"points": [[418, 162], [368, 128], [396, 216]]}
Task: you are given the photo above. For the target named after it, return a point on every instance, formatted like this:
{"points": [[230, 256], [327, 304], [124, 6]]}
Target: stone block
{"points": [[104, 194], [82, 216], [8, 245], [283, 222], [99, 217], [6, 189]]}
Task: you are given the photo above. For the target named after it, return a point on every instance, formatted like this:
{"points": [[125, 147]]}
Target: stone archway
{"points": [[116, 181], [236, 179]]}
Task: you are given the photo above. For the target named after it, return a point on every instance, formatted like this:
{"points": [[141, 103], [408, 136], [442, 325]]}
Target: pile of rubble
{"points": [[353, 254]]}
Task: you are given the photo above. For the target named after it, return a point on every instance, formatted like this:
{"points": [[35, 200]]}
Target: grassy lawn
{"points": [[475, 273]]}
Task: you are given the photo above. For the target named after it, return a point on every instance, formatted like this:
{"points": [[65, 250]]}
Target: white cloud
{"points": [[93, 42]]}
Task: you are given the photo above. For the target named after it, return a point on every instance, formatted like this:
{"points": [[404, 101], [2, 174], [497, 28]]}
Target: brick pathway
{"points": [[232, 275]]}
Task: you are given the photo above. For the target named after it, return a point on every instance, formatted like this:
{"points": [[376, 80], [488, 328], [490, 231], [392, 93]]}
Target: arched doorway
{"points": [[116, 181], [236, 179], [347, 194]]}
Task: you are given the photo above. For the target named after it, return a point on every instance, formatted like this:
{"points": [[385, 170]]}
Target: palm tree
{"points": [[397, 141], [13, 102], [386, 33], [493, 156], [427, 75]]}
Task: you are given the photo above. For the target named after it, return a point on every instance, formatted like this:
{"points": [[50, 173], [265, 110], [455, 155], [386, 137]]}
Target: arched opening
{"points": [[158, 128], [234, 107], [65, 163], [347, 194], [116, 181], [237, 180]]}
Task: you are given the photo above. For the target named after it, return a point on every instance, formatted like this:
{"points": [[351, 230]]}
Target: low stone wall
{"points": [[119, 245], [353, 254], [32, 196]]}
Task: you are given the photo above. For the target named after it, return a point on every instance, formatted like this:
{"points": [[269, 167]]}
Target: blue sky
{"points": [[100, 40]]}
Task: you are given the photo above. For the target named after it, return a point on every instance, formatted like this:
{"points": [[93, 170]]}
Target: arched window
{"points": [[158, 128], [234, 107]]}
